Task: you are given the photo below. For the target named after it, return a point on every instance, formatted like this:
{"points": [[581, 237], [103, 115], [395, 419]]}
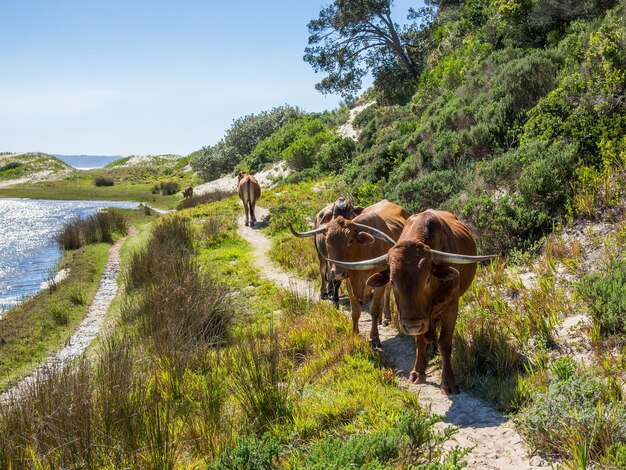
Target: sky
{"points": [[112, 77]]}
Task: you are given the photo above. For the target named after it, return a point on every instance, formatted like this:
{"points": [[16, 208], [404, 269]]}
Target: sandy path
{"points": [[88, 328], [495, 443]]}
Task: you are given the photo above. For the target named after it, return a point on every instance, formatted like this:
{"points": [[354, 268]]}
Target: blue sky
{"points": [[149, 77]]}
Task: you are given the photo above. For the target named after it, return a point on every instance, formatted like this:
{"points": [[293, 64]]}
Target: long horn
{"points": [[310, 233], [376, 233], [443, 257], [361, 265]]}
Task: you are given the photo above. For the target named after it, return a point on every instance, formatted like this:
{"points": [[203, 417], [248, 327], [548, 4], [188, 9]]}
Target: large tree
{"points": [[353, 37]]}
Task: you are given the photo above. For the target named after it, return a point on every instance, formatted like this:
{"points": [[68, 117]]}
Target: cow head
{"points": [[342, 208], [241, 174], [415, 272], [415, 278], [345, 240]]}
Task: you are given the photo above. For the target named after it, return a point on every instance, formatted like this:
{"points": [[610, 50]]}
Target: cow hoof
{"points": [[449, 389], [386, 322], [376, 344], [416, 378]]}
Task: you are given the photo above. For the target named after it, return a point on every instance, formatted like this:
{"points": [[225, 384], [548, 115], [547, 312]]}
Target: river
{"points": [[28, 246]]}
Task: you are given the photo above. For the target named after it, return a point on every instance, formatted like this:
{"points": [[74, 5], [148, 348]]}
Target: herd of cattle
{"points": [[428, 260]]}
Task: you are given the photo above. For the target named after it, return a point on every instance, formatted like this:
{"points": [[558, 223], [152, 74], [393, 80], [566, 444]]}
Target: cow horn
{"points": [[376, 233], [310, 233], [361, 265], [443, 257]]}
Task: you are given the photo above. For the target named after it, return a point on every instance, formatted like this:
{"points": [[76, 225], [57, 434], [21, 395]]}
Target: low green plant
{"points": [[605, 294]]}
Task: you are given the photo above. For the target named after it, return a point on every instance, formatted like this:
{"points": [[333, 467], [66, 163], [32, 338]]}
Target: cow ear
{"points": [[378, 279], [364, 238], [326, 218], [357, 210], [445, 273]]}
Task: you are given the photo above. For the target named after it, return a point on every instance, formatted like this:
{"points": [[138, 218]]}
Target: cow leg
{"points": [[448, 384], [246, 210], [252, 216], [375, 313], [418, 374], [386, 306], [325, 278], [335, 285], [355, 309]]}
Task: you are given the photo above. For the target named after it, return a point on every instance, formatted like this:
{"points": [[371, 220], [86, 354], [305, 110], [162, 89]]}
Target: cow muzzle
{"points": [[414, 328], [338, 274]]}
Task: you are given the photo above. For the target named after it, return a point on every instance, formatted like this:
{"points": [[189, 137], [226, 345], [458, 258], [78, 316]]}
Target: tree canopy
{"points": [[353, 37]]}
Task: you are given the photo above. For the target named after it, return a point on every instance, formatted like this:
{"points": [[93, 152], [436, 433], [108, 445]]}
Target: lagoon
{"points": [[28, 246]]}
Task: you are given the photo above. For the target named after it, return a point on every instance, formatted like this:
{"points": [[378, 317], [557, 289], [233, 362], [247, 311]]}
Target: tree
{"points": [[352, 37]]}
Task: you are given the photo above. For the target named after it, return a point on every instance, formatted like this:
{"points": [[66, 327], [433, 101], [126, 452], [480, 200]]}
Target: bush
{"points": [[166, 188], [430, 191], [97, 228], [605, 294], [103, 181], [574, 418], [10, 166]]}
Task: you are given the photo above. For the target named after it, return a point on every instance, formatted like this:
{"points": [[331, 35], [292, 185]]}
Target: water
{"points": [[28, 247], [87, 162]]}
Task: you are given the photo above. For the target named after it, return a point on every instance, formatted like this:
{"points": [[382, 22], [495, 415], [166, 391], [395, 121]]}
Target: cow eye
{"points": [[350, 242]]}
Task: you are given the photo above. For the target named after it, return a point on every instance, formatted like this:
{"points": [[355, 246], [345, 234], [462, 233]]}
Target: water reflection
{"points": [[28, 248]]}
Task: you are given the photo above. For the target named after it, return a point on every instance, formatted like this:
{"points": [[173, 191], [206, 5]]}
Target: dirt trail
{"points": [[88, 328], [495, 443]]}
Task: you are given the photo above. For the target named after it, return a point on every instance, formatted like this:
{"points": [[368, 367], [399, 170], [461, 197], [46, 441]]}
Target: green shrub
{"points": [[103, 181], [250, 453], [10, 166], [430, 191], [605, 293], [574, 418]]}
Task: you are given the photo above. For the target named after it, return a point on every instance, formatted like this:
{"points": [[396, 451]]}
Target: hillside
{"points": [[18, 168]]}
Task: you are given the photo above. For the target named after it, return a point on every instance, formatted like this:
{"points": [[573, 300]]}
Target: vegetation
{"points": [[97, 228], [20, 165], [190, 377], [103, 181]]}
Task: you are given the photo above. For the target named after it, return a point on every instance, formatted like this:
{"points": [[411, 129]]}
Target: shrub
{"points": [[10, 166], [250, 453], [574, 418], [168, 188], [605, 293], [103, 181], [97, 228], [430, 191]]}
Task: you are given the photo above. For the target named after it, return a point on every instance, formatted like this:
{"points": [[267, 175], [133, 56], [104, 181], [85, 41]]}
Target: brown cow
{"points": [[188, 192], [345, 209], [249, 192], [369, 234], [430, 267]]}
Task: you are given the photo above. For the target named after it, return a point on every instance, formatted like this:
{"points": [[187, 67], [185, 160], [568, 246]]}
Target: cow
{"points": [[249, 192], [369, 234], [188, 192], [432, 264], [347, 210]]}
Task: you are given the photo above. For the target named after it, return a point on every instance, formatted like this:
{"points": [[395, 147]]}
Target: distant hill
{"points": [[167, 160], [31, 165]]}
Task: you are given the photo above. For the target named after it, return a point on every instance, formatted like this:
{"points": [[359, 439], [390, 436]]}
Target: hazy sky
{"points": [[111, 77]]}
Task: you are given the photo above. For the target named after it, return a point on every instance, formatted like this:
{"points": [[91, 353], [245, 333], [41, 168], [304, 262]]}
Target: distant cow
{"points": [[369, 234], [249, 192], [430, 267], [340, 207], [188, 192]]}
